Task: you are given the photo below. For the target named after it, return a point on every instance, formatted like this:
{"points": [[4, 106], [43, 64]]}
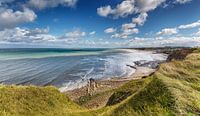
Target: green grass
{"points": [[20, 100], [172, 90]]}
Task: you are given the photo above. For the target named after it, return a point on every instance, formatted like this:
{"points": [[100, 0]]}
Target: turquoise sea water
{"points": [[67, 68], [22, 53]]}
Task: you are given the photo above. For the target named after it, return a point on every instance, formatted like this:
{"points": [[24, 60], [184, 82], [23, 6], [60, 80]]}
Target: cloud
{"points": [[125, 34], [126, 30], [141, 19], [41, 4], [147, 5], [128, 26], [168, 31], [129, 29], [197, 33], [129, 7], [38, 36], [10, 18], [119, 35], [123, 9], [182, 1], [110, 30], [126, 8], [41, 37], [92, 33], [171, 31], [104, 11], [192, 25], [76, 34], [21, 35], [161, 41]]}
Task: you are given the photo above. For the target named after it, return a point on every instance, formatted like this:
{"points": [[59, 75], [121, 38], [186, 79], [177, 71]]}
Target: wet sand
{"points": [[105, 85]]}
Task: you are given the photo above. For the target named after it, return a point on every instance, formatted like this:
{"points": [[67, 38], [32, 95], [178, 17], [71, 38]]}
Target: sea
{"points": [[68, 69]]}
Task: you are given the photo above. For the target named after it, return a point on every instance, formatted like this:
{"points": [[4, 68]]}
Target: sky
{"points": [[99, 23]]}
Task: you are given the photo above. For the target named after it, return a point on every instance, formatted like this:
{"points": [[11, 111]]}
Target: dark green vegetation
{"points": [[174, 89]]}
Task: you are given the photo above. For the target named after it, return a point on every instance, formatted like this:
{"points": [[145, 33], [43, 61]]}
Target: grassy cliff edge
{"points": [[173, 89]]}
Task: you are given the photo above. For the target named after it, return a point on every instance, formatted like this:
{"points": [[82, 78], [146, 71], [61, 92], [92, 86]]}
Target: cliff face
{"points": [[179, 54], [173, 89]]}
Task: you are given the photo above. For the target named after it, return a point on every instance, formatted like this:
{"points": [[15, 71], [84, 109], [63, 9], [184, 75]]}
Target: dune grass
{"points": [[174, 89], [30, 100]]}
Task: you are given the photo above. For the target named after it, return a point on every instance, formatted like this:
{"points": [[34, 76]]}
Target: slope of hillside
{"points": [[174, 89], [20, 100]]}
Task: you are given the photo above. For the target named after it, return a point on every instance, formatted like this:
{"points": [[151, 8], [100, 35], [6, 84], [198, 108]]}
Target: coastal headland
{"points": [[171, 88]]}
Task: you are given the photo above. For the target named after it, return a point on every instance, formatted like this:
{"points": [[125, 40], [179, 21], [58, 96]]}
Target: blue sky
{"points": [[99, 23]]}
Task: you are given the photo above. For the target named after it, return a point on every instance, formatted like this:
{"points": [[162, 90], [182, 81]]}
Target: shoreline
{"points": [[129, 63], [117, 96], [108, 84], [132, 65], [100, 95], [105, 87]]}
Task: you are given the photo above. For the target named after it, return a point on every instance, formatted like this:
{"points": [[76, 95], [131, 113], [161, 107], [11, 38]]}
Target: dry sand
{"points": [[105, 85]]}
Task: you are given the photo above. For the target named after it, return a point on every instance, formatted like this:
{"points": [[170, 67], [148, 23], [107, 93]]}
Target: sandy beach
{"points": [[140, 69], [106, 85]]}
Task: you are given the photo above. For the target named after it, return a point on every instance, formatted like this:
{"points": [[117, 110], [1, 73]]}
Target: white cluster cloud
{"points": [[10, 18], [198, 32], [24, 35], [104, 11], [41, 37], [141, 19], [168, 31], [161, 42], [182, 1], [123, 9], [147, 5], [192, 25], [171, 31], [41, 4], [128, 26], [92, 33], [76, 34], [110, 30], [140, 7], [126, 8], [129, 7], [127, 29], [125, 34]]}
